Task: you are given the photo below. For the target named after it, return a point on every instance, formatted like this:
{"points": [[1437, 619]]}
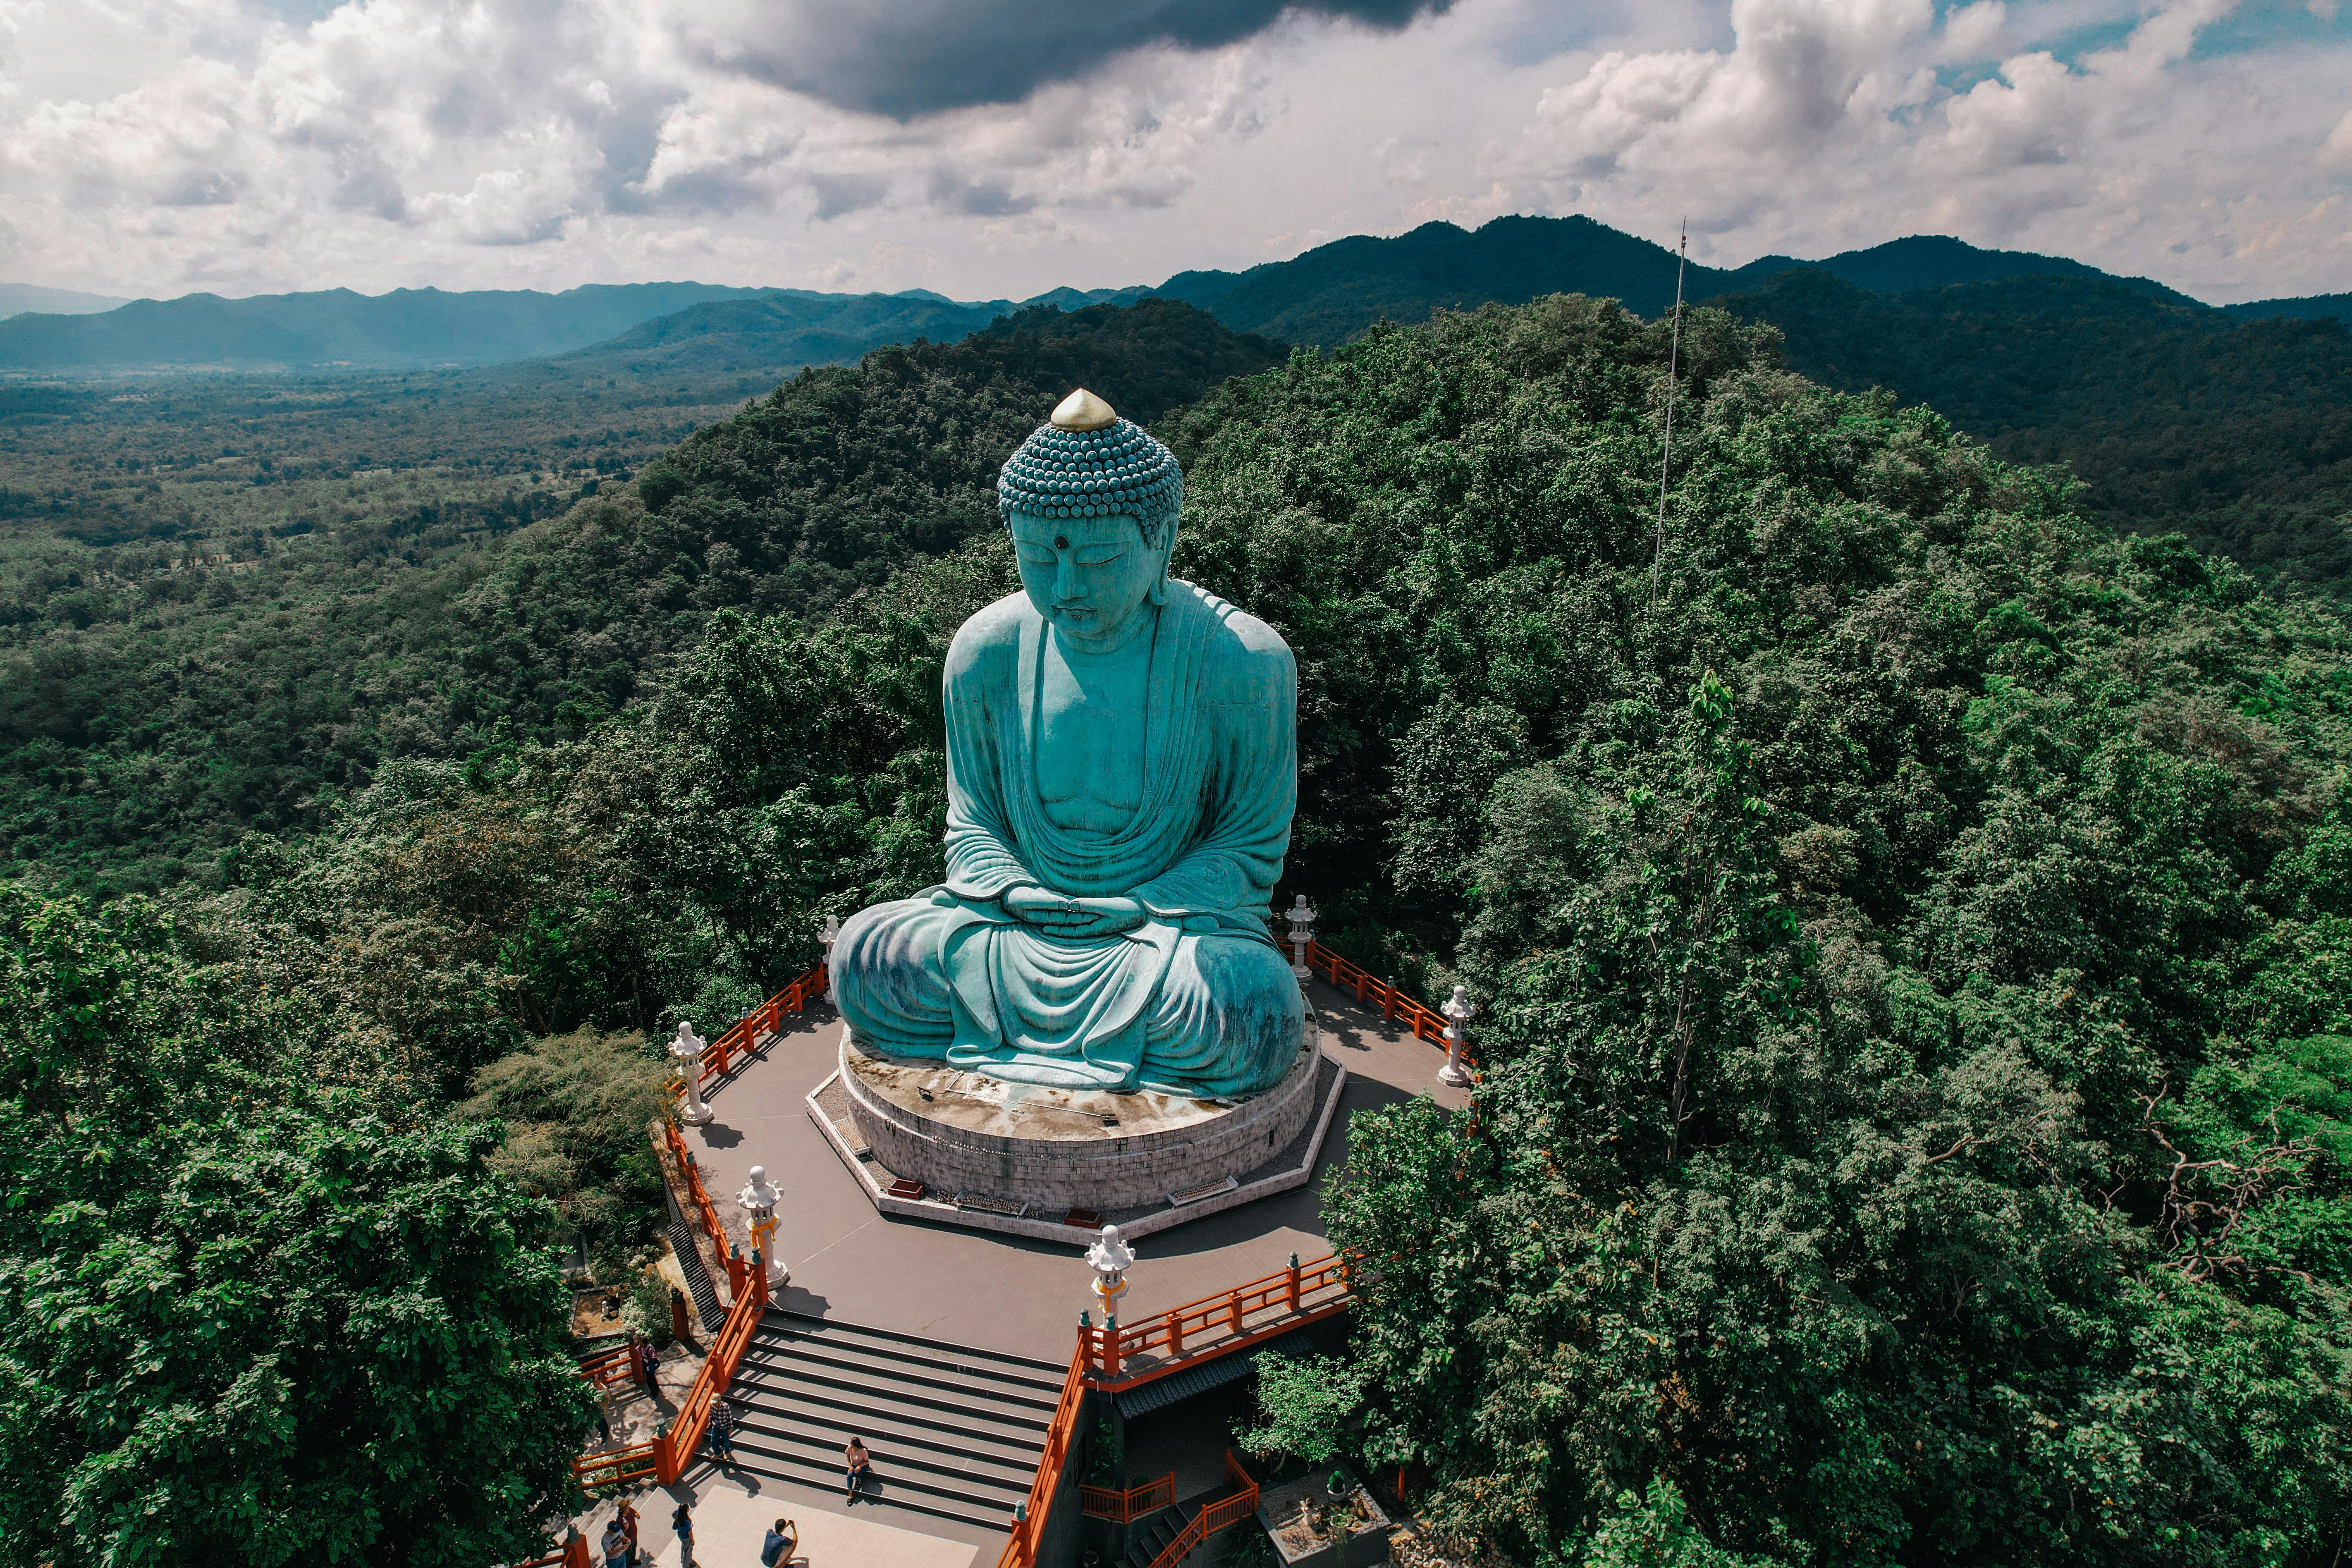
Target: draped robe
{"points": [[1198, 1000]]}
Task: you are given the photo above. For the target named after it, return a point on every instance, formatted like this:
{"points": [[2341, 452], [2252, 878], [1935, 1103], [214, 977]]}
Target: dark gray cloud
{"points": [[909, 58]]}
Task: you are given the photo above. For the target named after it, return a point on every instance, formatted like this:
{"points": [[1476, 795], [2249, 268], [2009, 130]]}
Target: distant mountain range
{"points": [[1335, 291], [1325, 297], [646, 325], [16, 299]]}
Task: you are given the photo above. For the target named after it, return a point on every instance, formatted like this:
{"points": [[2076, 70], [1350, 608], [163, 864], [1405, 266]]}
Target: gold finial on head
{"points": [[1082, 410]]}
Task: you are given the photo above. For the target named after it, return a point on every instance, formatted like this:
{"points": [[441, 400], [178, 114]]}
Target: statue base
{"points": [[1029, 1160]]}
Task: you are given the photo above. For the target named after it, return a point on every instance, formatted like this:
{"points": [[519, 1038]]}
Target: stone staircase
{"points": [[697, 1279], [955, 1432], [1152, 1536]]}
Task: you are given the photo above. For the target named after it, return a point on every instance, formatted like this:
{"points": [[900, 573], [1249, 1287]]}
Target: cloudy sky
{"points": [[992, 148]]}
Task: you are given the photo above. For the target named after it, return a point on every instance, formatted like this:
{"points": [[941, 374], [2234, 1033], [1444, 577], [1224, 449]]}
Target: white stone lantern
{"points": [[1110, 1258], [758, 1201], [1302, 932], [687, 1052], [828, 934], [1458, 1011]]}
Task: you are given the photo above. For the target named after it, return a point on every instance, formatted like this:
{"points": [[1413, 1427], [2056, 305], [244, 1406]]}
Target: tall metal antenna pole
{"points": [[1674, 372]]}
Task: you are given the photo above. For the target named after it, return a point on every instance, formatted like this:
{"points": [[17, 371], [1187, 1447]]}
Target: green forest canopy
{"points": [[1915, 955], [2237, 434]]}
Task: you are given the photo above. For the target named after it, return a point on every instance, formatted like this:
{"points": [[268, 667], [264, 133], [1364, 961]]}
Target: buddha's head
{"points": [[1091, 503]]}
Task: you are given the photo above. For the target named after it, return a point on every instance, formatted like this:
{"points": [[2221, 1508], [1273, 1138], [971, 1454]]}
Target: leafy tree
{"points": [[243, 1318], [1303, 1402], [578, 1110]]}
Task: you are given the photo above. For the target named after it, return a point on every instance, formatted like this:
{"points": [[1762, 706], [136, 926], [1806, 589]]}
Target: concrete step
{"points": [[1158, 1530], [916, 1382], [916, 1493], [956, 1432], [849, 1339], [781, 1400], [935, 1455]]}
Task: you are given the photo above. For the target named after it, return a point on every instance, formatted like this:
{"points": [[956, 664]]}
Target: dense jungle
{"points": [[1911, 918]]}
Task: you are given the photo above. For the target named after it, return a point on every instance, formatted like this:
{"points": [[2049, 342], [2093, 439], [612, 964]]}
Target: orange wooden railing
{"points": [[1214, 1325], [606, 1368], [674, 1449], [667, 1457], [1029, 1524], [737, 1040], [705, 1213], [1425, 1022], [1126, 1507], [573, 1555], [1212, 1517]]}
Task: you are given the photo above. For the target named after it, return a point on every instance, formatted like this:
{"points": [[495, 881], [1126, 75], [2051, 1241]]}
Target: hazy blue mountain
{"points": [[2310, 308], [784, 329], [1333, 292], [1939, 261], [16, 299], [407, 326]]}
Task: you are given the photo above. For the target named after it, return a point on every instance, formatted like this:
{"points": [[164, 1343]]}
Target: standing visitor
{"points": [[616, 1545], [682, 1520], [628, 1518], [860, 1463], [776, 1550], [649, 1361], [722, 1431]]}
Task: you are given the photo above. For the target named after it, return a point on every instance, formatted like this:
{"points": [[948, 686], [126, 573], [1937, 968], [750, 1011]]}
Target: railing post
{"points": [[1175, 1332], [1234, 1309], [1086, 1346], [1110, 1348], [1294, 1282]]}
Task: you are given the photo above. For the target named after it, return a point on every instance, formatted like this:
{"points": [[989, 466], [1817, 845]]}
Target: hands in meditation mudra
{"points": [[1122, 765]]}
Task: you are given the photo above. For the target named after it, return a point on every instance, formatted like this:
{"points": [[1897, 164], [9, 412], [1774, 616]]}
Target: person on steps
{"points": [[722, 1431], [681, 1520], [776, 1550], [627, 1515], [860, 1463], [616, 1545]]}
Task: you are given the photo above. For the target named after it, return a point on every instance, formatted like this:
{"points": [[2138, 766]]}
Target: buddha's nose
{"points": [[1065, 577]]}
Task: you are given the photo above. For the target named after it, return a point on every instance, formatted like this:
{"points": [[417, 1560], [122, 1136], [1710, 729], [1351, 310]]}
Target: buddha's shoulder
{"points": [[1240, 638], [991, 635]]}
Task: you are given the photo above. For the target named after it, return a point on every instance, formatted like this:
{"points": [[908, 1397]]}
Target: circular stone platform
{"points": [[1055, 1149]]}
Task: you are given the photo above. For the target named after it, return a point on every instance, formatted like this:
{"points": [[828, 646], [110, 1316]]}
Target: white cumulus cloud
{"points": [[165, 144]]}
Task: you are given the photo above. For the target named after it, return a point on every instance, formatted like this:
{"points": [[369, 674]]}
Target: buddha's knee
{"points": [[1239, 968], [886, 974]]}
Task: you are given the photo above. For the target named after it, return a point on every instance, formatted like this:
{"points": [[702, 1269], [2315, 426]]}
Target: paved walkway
{"points": [[1007, 1293], [733, 1513]]}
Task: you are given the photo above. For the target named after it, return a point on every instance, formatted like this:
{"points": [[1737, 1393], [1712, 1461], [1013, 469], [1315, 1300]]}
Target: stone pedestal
{"points": [[1051, 1150]]}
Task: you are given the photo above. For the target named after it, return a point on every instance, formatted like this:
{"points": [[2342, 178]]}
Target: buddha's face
{"points": [[1091, 577]]}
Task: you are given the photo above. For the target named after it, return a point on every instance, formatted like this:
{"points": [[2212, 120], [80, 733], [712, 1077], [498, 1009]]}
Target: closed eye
{"points": [[1101, 560], [1035, 555]]}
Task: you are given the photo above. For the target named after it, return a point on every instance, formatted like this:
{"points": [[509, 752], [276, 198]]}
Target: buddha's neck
{"points": [[1136, 634]]}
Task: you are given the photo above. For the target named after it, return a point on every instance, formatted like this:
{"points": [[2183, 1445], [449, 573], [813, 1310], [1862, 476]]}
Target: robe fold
{"points": [[1198, 1000]]}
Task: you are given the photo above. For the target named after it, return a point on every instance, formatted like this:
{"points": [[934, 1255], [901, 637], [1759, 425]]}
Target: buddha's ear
{"points": [[1164, 551]]}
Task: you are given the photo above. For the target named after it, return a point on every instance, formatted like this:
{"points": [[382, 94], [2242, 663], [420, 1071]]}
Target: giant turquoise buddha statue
{"points": [[1122, 764]]}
